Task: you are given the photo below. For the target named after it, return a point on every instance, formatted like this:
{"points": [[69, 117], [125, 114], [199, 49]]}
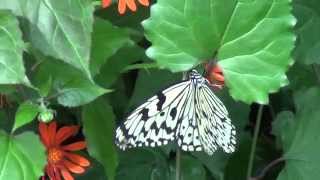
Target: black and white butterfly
{"points": [[187, 112]]}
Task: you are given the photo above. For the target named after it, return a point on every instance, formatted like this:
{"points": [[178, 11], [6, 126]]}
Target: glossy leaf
{"points": [[122, 59], [70, 86], [61, 29], [302, 143], [307, 29], [252, 41], [99, 123], [26, 112], [21, 157], [106, 41], [11, 47]]}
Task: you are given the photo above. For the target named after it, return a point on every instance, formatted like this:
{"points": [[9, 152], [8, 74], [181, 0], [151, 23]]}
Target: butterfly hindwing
{"points": [[154, 122], [215, 127]]}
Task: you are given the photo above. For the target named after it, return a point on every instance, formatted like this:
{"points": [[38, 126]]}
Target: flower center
{"points": [[54, 155]]}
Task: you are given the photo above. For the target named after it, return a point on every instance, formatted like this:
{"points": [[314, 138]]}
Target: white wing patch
{"points": [[187, 112]]}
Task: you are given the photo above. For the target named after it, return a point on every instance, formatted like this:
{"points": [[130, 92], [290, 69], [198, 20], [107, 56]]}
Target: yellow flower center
{"points": [[54, 155]]}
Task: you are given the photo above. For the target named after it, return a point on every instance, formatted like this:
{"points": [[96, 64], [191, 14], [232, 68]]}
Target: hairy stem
{"points": [[254, 142]]}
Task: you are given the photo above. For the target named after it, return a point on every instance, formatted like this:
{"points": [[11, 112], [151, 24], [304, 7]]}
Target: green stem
{"points": [[178, 164], [140, 66], [254, 142]]}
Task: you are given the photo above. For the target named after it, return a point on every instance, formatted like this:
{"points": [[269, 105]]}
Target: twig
{"points": [[268, 167]]}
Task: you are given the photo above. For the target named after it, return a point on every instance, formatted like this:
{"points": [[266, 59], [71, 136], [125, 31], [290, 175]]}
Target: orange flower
{"points": [[122, 4], [214, 75], [60, 160]]}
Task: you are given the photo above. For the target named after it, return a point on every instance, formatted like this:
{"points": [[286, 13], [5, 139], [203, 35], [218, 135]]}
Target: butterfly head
{"points": [[196, 77]]}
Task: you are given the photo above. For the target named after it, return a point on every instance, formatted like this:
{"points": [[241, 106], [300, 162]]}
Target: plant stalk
{"points": [[178, 164], [254, 142]]}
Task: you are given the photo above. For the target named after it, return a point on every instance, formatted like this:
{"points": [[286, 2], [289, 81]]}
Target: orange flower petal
{"points": [[144, 2], [77, 159], [122, 6], [56, 173], [65, 174], [43, 131], [106, 3], [65, 132], [132, 5], [73, 167], [75, 146], [52, 133]]}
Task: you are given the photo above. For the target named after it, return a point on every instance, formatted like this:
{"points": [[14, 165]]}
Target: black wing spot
{"points": [[144, 113], [162, 99], [189, 135], [173, 112], [162, 114]]}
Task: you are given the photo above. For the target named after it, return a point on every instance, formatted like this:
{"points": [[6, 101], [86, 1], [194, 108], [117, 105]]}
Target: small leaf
{"points": [[61, 29], [98, 126], [302, 142], [11, 47], [21, 157], [252, 41], [106, 41], [26, 112]]}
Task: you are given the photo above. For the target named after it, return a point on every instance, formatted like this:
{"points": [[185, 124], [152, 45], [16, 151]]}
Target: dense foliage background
{"points": [[90, 66]]}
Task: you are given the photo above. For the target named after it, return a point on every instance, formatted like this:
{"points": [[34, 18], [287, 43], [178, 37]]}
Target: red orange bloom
{"points": [[214, 75], [123, 4], [60, 160]]}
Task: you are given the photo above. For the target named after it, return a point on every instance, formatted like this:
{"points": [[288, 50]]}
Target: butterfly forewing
{"points": [[154, 122]]}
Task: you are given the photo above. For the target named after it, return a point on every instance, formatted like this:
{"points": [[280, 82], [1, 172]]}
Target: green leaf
{"points": [[190, 169], [11, 47], [123, 58], [283, 121], [70, 86], [303, 140], [252, 41], [303, 76], [307, 29], [106, 41], [61, 29], [26, 112], [142, 164], [98, 123], [21, 157]]}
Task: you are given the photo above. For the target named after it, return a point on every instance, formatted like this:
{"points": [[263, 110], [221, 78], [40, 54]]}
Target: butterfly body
{"points": [[187, 112]]}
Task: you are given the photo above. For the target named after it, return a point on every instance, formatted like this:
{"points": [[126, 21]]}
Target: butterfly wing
{"points": [[154, 122], [187, 134], [214, 125]]}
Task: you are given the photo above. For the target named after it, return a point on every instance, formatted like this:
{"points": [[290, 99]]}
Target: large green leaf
{"points": [[308, 27], [252, 41], [21, 157], [98, 123], [61, 29], [106, 41], [70, 86], [11, 47], [302, 141]]}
